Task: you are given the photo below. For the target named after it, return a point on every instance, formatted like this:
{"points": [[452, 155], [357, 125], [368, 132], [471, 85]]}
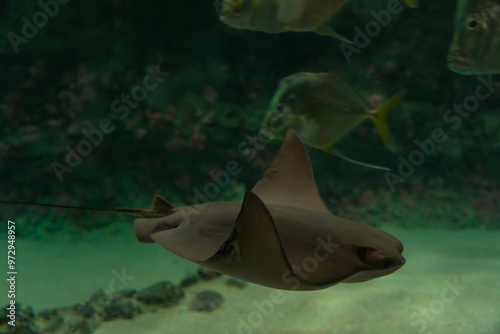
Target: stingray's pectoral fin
{"points": [[192, 240], [196, 238], [257, 251], [333, 151], [256, 235], [328, 31]]}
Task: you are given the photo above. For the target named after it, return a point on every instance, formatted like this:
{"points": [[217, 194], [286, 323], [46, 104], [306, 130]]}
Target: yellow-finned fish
{"points": [[275, 16], [322, 109], [476, 42]]}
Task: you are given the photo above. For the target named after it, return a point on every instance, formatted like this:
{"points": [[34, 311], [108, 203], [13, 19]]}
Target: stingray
{"points": [[281, 235]]}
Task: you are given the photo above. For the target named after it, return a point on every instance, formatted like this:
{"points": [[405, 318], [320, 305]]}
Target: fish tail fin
{"points": [[160, 208], [333, 151], [325, 30], [379, 118]]}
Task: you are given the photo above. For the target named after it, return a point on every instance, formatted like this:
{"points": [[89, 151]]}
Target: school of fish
{"points": [[319, 106]]}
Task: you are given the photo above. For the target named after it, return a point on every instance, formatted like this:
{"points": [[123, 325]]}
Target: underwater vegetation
{"points": [[160, 106]]}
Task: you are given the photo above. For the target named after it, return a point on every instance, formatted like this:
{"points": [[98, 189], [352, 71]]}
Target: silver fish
{"points": [[276, 16], [476, 42]]}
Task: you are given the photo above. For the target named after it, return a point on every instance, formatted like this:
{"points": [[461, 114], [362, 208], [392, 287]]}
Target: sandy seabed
{"points": [[450, 284]]}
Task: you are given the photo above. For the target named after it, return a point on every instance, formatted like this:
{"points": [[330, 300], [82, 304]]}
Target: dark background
{"points": [[220, 82]]}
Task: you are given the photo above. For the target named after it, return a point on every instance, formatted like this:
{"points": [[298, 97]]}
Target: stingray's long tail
{"points": [[135, 212]]}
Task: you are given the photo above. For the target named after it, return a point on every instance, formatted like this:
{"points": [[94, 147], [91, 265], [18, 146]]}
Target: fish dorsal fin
{"points": [[258, 243], [161, 205], [289, 180]]}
